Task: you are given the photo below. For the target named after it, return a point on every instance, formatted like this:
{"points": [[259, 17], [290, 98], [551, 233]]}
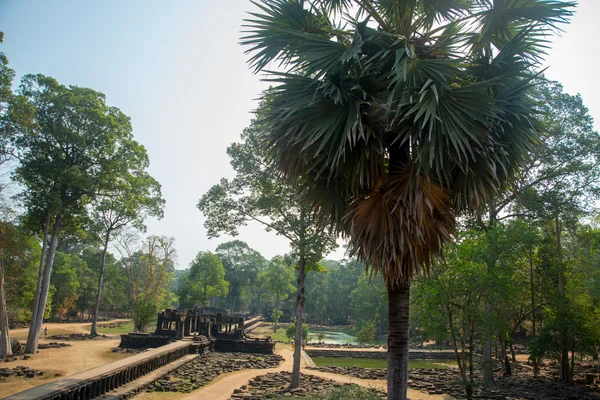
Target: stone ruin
{"points": [[209, 332]]}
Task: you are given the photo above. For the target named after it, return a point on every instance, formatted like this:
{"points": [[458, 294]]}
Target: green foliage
{"points": [[370, 304], [257, 193], [150, 270], [277, 278], [366, 334], [20, 256], [69, 274], [6, 77], [205, 279], [241, 264], [402, 96], [62, 166], [275, 315], [290, 332]]}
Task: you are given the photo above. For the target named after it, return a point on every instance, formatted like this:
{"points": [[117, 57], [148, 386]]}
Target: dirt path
{"points": [[80, 356], [59, 329], [222, 387]]}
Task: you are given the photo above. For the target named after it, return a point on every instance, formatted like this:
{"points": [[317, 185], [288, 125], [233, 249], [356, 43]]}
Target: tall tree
{"points": [[150, 272], [400, 119], [70, 146], [562, 161], [277, 278], [257, 193], [566, 181], [133, 197], [6, 77], [241, 267], [205, 279]]}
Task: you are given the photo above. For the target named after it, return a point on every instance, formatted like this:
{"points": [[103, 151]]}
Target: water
{"points": [[378, 362], [332, 337]]}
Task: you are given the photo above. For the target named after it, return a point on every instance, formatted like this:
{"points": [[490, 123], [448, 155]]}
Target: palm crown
{"points": [[400, 114]]}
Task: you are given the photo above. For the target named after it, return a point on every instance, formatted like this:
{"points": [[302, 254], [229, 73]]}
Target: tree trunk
{"points": [[276, 314], [94, 331], [488, 363], [35, 328], [5, 347], [469, 386], [232, 304], [398, 331], [507, 368], [536, 367], [299, 320], [513, 355], [565, 369], [36, 298]]}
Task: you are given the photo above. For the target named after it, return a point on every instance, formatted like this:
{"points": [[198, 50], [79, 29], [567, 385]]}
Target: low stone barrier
{"points": [[97, 381], [143, 341], [261, 346]]}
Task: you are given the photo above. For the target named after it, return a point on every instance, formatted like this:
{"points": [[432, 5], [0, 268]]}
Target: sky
{"points": [[177, 69]]}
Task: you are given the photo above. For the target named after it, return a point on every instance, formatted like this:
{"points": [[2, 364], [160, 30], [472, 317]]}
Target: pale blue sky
{"points": [[176, 68]]}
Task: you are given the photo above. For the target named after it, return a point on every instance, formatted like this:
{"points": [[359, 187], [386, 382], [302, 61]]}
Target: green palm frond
{"points": [[404, 115]]}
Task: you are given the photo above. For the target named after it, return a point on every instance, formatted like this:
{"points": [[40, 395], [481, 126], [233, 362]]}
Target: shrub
{"points": [[290, 332], [366, 334]]}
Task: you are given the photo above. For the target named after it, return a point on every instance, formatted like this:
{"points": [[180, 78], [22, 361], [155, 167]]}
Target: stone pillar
{"points": [[187, 327]]}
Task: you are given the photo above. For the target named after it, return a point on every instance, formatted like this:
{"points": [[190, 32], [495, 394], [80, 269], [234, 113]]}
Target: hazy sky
{"points": [[176, 68]]}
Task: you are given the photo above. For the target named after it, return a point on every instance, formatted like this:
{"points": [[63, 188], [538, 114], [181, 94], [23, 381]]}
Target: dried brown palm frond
{"points": [[400, 225]]}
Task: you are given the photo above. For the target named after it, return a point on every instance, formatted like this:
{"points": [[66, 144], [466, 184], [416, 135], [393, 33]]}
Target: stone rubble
{"points": [[20, 371], [204, 369], [276, 385], [52, 345], [520, 386], [75, 336]]}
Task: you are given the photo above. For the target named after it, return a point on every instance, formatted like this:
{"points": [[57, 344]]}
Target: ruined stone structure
{"points": [[210, 332], [201, 333]]}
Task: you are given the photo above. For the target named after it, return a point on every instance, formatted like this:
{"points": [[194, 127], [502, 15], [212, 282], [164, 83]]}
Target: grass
{"points": [[350, 362], [378, 362], [267, 330], [119, 327]]}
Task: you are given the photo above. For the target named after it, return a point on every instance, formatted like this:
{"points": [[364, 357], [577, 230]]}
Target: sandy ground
{"points": [[81, 356], [222, 387]]}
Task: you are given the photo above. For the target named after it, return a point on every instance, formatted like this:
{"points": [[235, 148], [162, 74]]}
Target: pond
{"points": [[332, 337], [378, 362]]}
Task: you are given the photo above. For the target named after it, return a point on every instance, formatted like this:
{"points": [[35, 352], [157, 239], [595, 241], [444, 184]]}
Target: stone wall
{"points": [[260, 346], [143, 341], [97, 381]]}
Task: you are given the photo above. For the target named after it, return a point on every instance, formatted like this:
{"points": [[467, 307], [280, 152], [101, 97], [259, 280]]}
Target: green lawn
{"points": [[378, 362], [119, 327]]}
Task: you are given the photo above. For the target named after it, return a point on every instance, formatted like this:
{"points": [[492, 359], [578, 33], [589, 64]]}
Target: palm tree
{"points": [[398, 116]]}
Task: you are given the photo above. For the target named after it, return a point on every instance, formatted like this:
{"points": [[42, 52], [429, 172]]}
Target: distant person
{"points": [[45, 332]]}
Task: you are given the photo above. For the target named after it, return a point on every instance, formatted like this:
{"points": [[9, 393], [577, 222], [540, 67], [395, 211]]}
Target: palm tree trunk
{"points": [[35, 328], [94, 331], [398, 331], [5, 348], [299, 320]]}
